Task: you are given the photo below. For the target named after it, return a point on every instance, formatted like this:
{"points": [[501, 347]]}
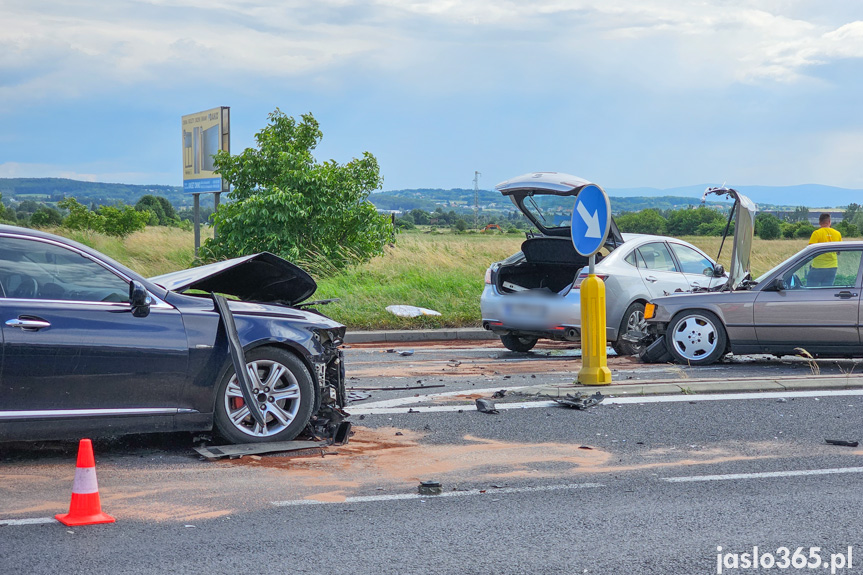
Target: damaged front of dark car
{"points": [[92, 348]]}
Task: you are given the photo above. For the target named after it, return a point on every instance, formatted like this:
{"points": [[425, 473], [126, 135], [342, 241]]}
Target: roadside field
{"points": [[442, 271]]}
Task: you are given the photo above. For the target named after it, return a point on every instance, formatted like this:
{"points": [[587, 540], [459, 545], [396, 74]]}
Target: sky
{"points": [[625, 93]]}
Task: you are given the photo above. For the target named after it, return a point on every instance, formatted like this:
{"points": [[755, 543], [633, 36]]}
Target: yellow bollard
{"points": [[594, 365]]}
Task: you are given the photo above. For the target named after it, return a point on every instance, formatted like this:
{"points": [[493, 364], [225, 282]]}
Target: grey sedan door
{"points": [[659, 270], [817, 318]]}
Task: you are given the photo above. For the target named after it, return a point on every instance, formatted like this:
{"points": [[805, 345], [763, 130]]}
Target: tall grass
{"points": [[443, 272], [150, 252]]}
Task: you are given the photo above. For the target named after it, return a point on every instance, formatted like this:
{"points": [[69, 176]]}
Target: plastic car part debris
{"points": [[499, 394], [239, 359], [215, 452], [842, 442], [656, 352], [430, 488], [579, 400], [358, 395], [410, 310], [407, 352], [485, 405]]}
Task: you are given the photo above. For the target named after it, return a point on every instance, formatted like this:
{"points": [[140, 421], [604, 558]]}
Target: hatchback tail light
{"points": [[583, 276], [488, 276]]}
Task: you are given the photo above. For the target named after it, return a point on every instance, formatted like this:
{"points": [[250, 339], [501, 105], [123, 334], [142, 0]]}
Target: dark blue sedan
{"points": [[91, 347]]}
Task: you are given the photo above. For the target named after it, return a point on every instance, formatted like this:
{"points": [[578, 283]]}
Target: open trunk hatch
{"points": [[547, 200]]}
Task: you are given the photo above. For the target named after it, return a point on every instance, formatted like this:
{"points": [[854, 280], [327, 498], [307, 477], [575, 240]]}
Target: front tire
{"points": [[284, 389], [518, 342], [633, 319], [696, 338]]}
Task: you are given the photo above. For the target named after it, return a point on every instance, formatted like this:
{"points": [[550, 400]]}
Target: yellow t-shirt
{"points": [[828, 260]]}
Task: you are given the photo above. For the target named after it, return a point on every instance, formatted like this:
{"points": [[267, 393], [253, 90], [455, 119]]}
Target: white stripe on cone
{"points": [[85, 481]]}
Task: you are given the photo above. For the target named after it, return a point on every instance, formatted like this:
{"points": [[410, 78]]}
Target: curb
{"points": [[406, 335]]}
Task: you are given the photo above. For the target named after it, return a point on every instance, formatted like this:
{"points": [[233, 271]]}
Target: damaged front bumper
{"points": [[329, 421]]}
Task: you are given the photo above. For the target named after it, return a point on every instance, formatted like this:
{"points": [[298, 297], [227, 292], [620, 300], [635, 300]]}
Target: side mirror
{"points": [[718, 271], [139, 299], [778, 284]]}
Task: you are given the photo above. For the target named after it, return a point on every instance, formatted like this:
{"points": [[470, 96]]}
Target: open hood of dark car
{"points": [[547, 200], [744, 229], [262, 277]]}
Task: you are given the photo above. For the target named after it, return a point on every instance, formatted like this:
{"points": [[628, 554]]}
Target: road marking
{"points": [[764, 474], [403, 496], [32, 521], [401, 405]]}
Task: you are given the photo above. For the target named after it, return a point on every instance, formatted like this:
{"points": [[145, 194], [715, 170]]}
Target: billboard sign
{"points": [[204, 134]]}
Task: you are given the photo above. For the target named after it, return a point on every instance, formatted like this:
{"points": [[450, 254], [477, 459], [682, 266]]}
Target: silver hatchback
{"points": [[535, 293]]}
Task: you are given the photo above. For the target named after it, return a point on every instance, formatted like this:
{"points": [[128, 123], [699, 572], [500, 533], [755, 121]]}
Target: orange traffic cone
{"points": [[85, 508]]}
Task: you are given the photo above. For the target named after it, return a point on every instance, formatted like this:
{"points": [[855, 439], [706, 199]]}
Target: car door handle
{"points": [[651, 279], [845, 294], [33, 324]]}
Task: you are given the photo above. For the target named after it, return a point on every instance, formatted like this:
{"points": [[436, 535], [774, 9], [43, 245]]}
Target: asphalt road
{"points": [[633, 488]]}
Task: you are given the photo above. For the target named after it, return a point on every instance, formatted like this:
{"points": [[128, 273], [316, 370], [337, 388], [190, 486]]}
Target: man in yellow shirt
{"points": [[823, 270]]}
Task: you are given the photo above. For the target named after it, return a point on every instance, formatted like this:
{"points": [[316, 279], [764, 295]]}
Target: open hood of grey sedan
{"points": [[262, 277], [547, 200], [744, 230]]}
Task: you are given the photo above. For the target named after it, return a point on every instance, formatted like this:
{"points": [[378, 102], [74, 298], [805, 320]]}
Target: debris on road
{"points": [[485, 405], [430, 488], [579, 400], [216, 452], [395, 388], [410, 310], [842, 442], [499, 394], [406, 352]]}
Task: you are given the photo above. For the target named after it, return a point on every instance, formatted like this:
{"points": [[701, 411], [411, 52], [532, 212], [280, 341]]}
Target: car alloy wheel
{"points": [[633, 320], [283, 389], [696, 338]]}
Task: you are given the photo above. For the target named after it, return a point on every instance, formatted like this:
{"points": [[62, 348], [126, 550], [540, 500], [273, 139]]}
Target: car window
{"points": [[31, 269], [691, 262], [839, 270], [655, 256], [630, 259]]}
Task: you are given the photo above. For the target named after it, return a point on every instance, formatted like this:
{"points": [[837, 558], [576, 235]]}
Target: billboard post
{"points": [[204, 134]]}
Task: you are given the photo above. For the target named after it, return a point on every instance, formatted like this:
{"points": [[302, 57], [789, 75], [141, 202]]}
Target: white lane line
{"points": [[765, 474], [399, 405], [432, 396], [403, 496], [32, 521]]}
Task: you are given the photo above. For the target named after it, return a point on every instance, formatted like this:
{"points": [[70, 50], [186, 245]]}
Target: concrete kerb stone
{"points": [[409, 335]]}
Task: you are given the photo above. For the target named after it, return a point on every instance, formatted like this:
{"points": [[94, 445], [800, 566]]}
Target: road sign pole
{"points": [[594, 358], [591, 220]]}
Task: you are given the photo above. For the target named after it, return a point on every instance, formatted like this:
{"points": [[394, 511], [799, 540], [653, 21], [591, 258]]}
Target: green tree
{"points": [[80, 217], [121, 220], [686, 222], [286, 202], [648, 221], [45, 217], [420, 217], [160, 207], [767, 227], [847, 229]]}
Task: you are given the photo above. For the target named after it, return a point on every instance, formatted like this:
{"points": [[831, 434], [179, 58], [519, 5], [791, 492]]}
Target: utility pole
{"points": [[476, 176]]}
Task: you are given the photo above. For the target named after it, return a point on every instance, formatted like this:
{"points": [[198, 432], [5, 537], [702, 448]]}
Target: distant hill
{"points": [[51, 190]]}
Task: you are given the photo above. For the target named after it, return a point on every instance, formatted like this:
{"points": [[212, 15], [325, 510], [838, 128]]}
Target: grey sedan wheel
{"points": [[518, 342], [633, 321], [284, 392], [696, 338]]}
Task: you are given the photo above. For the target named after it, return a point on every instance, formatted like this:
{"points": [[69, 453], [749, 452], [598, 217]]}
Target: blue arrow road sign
{"points": [[591, 220]]}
